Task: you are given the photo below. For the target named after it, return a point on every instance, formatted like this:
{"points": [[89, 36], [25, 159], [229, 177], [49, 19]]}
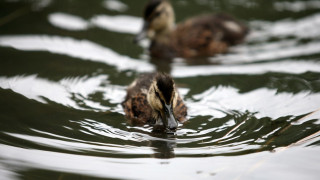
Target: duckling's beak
{"points": [[142, 34], [170, 121]]}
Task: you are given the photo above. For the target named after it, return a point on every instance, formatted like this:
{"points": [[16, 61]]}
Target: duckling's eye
{"points": [[156, 14], [157, 94], [153, 16]]}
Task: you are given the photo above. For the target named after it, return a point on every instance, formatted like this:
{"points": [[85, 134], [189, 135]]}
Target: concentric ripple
{"points": [[63, 77]]}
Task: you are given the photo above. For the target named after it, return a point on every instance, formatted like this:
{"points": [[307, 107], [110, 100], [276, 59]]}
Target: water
{"points": [[64, 66]]}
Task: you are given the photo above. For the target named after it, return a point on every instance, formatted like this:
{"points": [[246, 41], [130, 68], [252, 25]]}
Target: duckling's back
{"points": [[136, 105], [202, 36], [208, 35]]}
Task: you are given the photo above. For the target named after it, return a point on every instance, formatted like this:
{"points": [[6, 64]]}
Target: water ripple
{"points": [[68, 22], [115, 5], [120, 23], [290, 67], [69, 92], [297, 6], [302, 28], [82, 49], [245, 107], [266, 102]]}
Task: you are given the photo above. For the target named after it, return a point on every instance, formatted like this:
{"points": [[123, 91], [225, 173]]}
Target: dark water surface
{"points": [[64, 67]]}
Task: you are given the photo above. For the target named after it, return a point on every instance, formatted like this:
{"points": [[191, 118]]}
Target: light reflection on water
{"points": [[81, 49], [68, 22], [121, 23], [290, 67], [245, 166], [266, 102], [61, 92], [297, 6], [261, 97], [115, 5], [301, 28]]}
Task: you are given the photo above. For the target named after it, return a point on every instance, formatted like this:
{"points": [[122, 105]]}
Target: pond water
{"points": [[65, 65]]}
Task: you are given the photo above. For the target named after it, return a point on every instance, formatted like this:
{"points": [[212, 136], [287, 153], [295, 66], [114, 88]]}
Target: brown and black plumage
{"points": [[153, 99], [200, 36]]}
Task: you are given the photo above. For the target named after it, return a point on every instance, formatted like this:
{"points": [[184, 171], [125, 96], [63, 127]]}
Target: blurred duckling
{"points": [[153, 99], [201, 36]]}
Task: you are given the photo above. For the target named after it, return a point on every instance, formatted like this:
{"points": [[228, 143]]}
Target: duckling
{"points": [[201, 36], [153, 99]]}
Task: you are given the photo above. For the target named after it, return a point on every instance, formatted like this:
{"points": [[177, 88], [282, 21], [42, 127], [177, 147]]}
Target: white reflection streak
{"points": [[115, 5], [269, 51], [266, 102], [297, 6], [115, 94], [108, 131], [223, 167], [85, 86], [36, 88], [120, 23], [68, 21], [302, 28], [60, 92], [30, 158], [82, 49], [292, 67], [123, 24], [78, 146], [7, 173], [286, 47]]}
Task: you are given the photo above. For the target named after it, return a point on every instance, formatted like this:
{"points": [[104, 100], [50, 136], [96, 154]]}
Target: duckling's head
{"points": [[162, 97], [158, 20]]}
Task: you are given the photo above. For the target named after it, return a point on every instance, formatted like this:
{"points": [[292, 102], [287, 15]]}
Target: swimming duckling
{"points": [[201, 36], [153, 99]]}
